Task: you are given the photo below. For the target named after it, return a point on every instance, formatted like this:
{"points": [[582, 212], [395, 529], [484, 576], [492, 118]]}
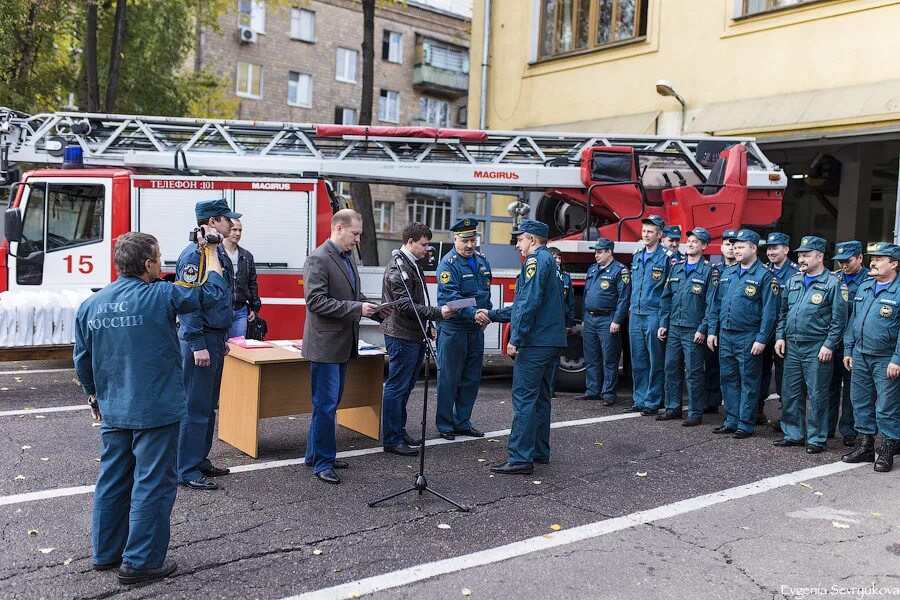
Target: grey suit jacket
{"points": [[333, 307]]}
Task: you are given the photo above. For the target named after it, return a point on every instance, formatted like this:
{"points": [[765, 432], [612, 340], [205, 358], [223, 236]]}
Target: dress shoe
{"points": [[200, 484], [586, 397], [850, 441], [513, 469], [815, 449], [337, 464], [106, 566], [863, 451], [649, 412], [689, 422], [885, 460], [723, 429], [470, 432], [130, 576], [711, 410], [741, 434], [447, 435], [328, 476], [411, 441], [786, 443], [670, 415], [633, 408], [215, 471], [401, 449], [542, 461], [609, 402]]}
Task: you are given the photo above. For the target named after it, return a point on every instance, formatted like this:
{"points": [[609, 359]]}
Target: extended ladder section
{"points": [[427, 157]]}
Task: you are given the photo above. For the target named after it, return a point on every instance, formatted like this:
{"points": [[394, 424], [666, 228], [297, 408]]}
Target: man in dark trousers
{"points": [[403, 335], [127, 360], [334, 306]]}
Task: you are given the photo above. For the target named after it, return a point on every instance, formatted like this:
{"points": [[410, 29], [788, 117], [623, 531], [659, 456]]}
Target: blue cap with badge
{"points": [[654, 220], [465, 228], [776, 238], [847, 250], [672, 231], [701, 234], [208, 209], [885, 249], [810, 243], [533, 227], [729, 234], [603, 244], [746, 235]]}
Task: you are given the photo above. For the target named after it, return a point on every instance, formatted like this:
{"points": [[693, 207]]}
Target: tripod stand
{"points": [[421, 484]]}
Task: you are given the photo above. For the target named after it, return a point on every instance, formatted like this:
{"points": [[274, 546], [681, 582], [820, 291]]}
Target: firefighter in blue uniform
{"points": [[607, 294], [462, 273], [872, 353], [568, 305], [203, 350], [778, 247], [849, 257], [682, 325], [741, 319], [536, 334], [713, 384], [649, 270], [811, 322], [127, 360], [671, 239]]}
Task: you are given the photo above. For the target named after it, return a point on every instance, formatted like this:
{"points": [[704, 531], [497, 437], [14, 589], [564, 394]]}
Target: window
{"points": [[249, 80], [252, 14], [751, 7], [346, 65], [572, 25], [389, 106], [384, 215], [434, 212], [445, 56], [434, 112], [299, 89], [303, 25], [392, 47], [344, 116]]}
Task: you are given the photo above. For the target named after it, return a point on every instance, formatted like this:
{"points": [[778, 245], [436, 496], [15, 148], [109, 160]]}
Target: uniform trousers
{"points": [[805, 375], [601, 356], [740, 373], [460, 354], [647, 360], [876, 398], [529, 438], [685, 357], [202, 386]]}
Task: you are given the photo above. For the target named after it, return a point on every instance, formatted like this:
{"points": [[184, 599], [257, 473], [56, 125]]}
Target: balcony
{"points": [[441, 67], [444, 81]]}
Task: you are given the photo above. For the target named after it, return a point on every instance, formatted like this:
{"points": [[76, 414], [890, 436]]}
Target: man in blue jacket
{"points": [[537, 333], [127, 360], [569, 305]]}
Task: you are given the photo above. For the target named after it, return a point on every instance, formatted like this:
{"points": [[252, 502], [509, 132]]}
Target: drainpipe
{"points": [[897, 220], [486, 40]]}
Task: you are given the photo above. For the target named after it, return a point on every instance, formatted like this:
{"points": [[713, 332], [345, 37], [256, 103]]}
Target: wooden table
{"points": [[274, 382]]}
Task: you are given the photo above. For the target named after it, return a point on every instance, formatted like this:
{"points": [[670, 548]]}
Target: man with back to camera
{"points": [[245, 295], [403, 335], [334, 306], [128, 362], [713, 382], [203, 350]]}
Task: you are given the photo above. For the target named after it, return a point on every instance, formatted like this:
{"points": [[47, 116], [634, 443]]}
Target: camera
{"points": [[212, 236]]}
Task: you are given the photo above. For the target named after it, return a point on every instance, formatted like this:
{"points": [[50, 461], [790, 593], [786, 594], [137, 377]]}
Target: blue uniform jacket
{"points": [[127, 352], [853, 284], [745, 303], [817, 313], [875, 326], [685, 297], [608, 288], [537, 314], [457, 280], [568, 297], [213, 318], [648, 278], [784, 274]]}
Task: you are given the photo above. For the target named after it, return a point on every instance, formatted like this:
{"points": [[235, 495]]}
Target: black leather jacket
{"points": [[402, 323], [245, 291]]}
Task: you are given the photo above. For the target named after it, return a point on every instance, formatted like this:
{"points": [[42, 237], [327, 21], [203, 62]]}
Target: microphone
{"points": [[398, 258]]}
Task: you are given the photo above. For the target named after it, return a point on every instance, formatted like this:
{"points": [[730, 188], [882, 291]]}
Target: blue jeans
{"points": [[740, 373], [327, 381], [530, 434], [134, 495], [601, 356], [647, 360], [405, 360], [460, 354], [202, 387], [238, 323]]}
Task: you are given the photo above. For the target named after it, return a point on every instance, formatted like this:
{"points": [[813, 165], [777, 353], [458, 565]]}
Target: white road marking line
{"points": [[31, 371], [49, 409], [274, 464], [540, 543]]}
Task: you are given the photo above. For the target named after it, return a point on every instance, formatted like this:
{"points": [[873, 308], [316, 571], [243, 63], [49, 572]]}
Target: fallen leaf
{"points": [[353, 595], [503, 402], [494, 440], [292, 418], [32, 388], [536, 482], [26, 447], [443, 526], [641, 473], [20, 478], [818, 494], [45, 459], [32, 532], [46, 550], [96, 460], [29, 408], [18, 379], [95, 424], [4, 389], [39, 417], [466, 592], [555, 527], [875, 514], [482, 460], [337, 569], [840, 525], [598, 443], [491, 476], [549, 536], [806, 485], [68, 561], [288, 529], [318, 551], [21, 416], [747, 528]]}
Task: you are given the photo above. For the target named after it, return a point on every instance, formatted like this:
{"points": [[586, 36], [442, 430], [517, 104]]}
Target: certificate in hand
{"points": [[460, 304]]}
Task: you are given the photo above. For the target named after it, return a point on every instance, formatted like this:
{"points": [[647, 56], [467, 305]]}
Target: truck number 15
{"points": [[85, 264]]}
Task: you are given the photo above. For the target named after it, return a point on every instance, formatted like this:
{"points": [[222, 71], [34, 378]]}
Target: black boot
{"points": [[886, 453], [863, 451]]}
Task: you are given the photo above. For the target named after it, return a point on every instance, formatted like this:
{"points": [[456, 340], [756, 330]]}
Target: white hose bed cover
{"points": [[39, 318]]}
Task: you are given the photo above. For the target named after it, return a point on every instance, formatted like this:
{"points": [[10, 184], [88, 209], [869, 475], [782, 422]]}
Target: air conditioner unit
{"points": [[246, 35]]}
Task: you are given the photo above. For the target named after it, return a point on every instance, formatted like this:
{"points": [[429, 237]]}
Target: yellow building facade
{"points": [[815, 81]]}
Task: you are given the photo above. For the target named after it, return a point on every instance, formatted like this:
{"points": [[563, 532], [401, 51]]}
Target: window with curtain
{"points": [[751, 7], [575, 25]]}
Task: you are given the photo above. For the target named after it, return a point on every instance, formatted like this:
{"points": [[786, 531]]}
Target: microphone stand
{"points": [[421, 484]]}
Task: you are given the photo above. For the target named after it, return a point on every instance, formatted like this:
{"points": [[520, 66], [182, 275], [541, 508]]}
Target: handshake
{"points": [[481, 317]]}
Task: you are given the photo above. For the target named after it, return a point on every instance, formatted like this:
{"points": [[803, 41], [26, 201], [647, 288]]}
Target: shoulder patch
{"points": [[190, 273], [626, 276], [530, 269], [445, 277], [776, 289], [531, 260], [845, 293]]}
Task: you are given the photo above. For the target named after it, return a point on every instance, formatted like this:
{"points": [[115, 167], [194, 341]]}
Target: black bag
{"points": [[257, 329]]}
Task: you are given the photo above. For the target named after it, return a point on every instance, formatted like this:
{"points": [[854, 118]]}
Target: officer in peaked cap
{"points": [[671, 238], [462, 273], [607, 294], [203, 349], [872, 351], [811, 322], [849, 256]]}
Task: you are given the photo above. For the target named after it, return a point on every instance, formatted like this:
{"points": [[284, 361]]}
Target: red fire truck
{"points": [[104, 175]]}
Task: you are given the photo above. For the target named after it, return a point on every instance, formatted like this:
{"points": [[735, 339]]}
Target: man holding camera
{"points": [[127, 360], [203, 350]]}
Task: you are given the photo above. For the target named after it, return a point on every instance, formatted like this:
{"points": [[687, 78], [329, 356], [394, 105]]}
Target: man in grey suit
{"points": [[334, 306]]}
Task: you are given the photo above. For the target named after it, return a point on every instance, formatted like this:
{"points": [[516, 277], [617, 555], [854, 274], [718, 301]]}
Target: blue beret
{"points": [[533, 227], [885, 249], [847, 250], [207, 209], [465, 228], [729, 233], [603, 244], [654, 220], [811, 242], [701, 234], [777, 239], [672, 231], [746, 235]]}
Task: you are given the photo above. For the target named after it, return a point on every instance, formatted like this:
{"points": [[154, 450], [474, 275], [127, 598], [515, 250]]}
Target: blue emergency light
{"points": [[73, 157]]}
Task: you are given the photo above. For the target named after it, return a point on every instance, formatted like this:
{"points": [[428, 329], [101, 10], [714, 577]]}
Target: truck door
{"points": [[66, 236]]}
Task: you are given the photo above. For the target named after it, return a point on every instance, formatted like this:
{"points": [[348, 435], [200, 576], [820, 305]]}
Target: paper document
{"points": [[390, 304], [460, 304], [246, 343]]}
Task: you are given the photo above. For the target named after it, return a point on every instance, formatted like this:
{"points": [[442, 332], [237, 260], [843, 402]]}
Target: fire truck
{"points": [[103, 175]]}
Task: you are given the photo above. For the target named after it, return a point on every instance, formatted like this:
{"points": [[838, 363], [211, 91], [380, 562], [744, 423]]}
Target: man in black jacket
{"points": [[403, 335], [245, 293]]}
